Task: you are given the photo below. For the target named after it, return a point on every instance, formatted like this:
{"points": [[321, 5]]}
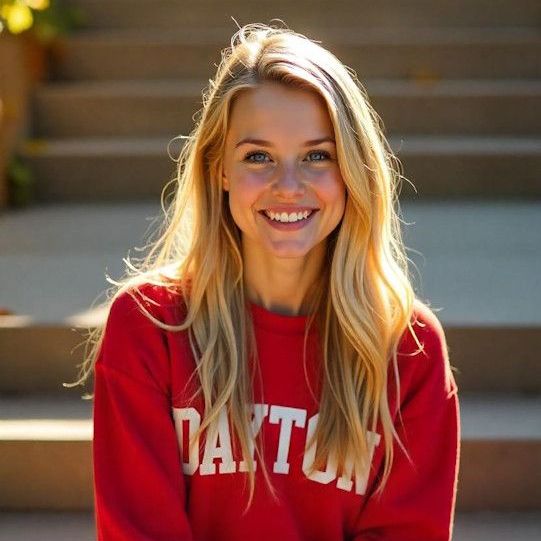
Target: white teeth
{"points": [[285, 217]]}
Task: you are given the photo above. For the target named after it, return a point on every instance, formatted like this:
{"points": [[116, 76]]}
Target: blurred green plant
{"points": [[44, 19], [20, 181]]}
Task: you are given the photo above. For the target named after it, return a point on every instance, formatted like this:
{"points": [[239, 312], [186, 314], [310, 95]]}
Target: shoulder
{"points": [[427, 326], [423, 355], [138, 300], [134, 342], [424, 333]]}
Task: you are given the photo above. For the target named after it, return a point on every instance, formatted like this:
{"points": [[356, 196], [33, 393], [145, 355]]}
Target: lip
{"points": [[291, 226], [288, 210]]}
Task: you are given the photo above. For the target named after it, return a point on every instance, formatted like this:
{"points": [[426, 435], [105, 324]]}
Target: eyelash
{"points": [[250, 154]]}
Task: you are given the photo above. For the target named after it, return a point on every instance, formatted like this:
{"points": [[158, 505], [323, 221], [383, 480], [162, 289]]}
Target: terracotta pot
{"points": [[36, 58], [23, 64]]}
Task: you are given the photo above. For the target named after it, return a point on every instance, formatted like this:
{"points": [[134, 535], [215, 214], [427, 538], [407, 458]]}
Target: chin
{"points": [[290, 253]]}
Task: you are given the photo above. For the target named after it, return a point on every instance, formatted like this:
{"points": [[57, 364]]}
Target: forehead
{"points": [[275, 110]]}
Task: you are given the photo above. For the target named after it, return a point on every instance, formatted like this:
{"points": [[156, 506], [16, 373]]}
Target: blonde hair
{"points": [[363, 300]]}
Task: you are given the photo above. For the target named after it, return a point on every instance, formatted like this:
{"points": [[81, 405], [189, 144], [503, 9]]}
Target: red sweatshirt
{"points": [[147, 488]]}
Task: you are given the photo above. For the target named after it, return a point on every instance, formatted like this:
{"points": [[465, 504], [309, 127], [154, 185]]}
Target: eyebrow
{"points": [[263, 143]]}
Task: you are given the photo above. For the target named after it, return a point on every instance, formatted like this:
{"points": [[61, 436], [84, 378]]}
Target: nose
{"points": [[288, 183]]}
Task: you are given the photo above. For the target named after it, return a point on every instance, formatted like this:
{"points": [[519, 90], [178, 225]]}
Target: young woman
{"points": [[267, 372]]}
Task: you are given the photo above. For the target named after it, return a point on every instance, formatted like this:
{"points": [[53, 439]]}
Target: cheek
{"points": [[333, 191], [244, 192], [251, 180]]}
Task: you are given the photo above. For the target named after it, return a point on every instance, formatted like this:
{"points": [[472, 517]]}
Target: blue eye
{"points": [[322, 153], [251, 154]]}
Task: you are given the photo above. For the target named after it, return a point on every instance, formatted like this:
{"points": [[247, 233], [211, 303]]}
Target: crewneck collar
{"points": [[280, 323]]}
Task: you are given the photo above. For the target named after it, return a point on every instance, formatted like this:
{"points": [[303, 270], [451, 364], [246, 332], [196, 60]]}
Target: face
{"points": [[281, 157]]}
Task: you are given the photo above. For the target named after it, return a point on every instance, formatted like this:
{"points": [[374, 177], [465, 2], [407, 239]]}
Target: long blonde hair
{"points": [[363, 300]]}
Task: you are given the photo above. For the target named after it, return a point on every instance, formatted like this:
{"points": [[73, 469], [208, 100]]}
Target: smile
{"points": [[299, 223]]}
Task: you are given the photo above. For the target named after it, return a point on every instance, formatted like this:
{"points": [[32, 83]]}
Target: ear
{"points": [[225, 183]]}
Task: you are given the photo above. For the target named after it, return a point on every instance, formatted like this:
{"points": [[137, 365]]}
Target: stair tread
{"points": [[467, 249], [110, 146], [468, 526], [497, 526], [47, 526], [484, 416], [388, 87], [208, 36], [455, 53]]}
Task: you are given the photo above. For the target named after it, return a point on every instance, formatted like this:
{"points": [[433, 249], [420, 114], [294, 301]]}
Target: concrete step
{"points": [[39, 358], [47, 526], [67, 526], [164, 108], [45, 453], [129, 169], [99, 168], [37, 433], [476, 262], [304, 15], [374, 53]]}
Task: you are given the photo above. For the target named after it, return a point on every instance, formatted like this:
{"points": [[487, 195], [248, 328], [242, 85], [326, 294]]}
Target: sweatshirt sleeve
{"points": [[418, 501], [139, 491]]}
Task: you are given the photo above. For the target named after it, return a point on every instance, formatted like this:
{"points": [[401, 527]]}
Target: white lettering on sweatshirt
{"points": [[218, 445]]}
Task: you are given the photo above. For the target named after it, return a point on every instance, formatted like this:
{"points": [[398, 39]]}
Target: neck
{"points": [[282, 285]]}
